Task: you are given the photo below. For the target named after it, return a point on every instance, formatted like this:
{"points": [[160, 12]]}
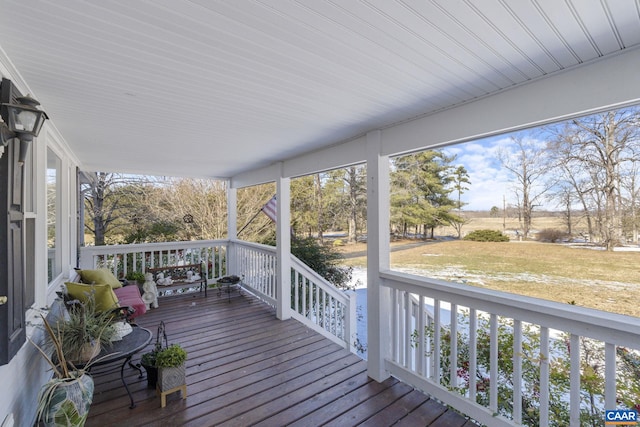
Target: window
{"points": [[54, 259]]}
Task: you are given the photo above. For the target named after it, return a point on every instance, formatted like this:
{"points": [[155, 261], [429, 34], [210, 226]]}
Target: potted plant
{"points": [[171, 370], [165, 366], [66, 398], [84, 331], [148, 362], [135, 276]]}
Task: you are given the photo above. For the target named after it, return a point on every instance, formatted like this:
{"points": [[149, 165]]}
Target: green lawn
{"points": [[590, 278]]}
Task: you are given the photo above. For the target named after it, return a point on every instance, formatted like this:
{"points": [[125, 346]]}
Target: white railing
{"points": [[314, 301], [256, 264], [322, 306], [505, 359], [121, 259]]}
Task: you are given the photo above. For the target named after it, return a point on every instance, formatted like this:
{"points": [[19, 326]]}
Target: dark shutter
{"points": [[12, 266]]}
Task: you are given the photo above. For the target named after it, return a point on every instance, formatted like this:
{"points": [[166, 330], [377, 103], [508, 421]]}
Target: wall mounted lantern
{"points": [[24, 122]]}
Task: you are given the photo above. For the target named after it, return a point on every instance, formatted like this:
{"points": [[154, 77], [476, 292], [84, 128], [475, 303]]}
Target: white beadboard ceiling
{"points": [[216, 88]]}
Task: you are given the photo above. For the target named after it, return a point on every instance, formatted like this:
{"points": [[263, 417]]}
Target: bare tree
{"points": [[253, 225], [197, 206], [345, 195], [304, 208], [565, 196], [108, 197], [355, 180], [630, 184], [528, 164], [594, 151], [317, 190], [578, 189]]}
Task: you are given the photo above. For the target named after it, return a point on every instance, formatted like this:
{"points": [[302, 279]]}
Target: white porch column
{"points": [[232, 229], [283, 248], [232, 212], [378, 298]]}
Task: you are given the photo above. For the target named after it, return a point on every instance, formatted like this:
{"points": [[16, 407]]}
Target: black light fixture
{"points": [[24, 121]]}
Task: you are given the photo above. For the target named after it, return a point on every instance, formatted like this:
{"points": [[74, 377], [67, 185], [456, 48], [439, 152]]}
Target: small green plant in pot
{"points": [[171, 369], [166, 358], [171, 357], [148, 362], [135, 276]]}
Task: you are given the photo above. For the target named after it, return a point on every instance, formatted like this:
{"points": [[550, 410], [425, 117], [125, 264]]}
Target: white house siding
{"points": [[23, 376]]}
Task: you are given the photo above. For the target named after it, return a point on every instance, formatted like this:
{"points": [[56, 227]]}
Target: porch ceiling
{"points": [[215, 88]]}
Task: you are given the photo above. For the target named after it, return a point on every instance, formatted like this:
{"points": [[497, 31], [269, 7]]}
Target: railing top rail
{"points": [[258, 246], [316, 278], [140, 247], [610, 327]]}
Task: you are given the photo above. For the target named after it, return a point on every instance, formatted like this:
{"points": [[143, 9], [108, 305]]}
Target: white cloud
{"points": [[490, 183]]}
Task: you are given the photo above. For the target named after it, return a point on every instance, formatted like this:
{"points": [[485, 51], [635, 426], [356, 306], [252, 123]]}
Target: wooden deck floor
{"points": [[245, 367]]}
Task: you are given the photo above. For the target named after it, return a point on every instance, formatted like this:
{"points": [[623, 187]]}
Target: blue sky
{"points": [[490, 182]]}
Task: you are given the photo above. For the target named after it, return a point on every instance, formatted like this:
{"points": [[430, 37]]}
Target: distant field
{"points": [[586, 277], [480, 220]]}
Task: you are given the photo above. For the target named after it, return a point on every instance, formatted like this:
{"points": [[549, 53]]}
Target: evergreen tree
{"points": [[460, 179], [421, 188]]}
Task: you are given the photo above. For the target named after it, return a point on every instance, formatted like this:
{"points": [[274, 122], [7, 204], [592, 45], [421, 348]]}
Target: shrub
{"points": [[323, 259], [551, 235], [486, 236]]}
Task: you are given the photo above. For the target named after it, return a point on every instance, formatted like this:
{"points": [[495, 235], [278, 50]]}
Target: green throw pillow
{"points": [[104, 296], [100, 276]]}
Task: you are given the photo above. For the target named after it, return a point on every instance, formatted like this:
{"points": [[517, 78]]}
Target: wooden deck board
{"points": [[426, 415], [370, 407], [302, 388], [345, 403], [397, 410], [301, 409], [245, 367]]}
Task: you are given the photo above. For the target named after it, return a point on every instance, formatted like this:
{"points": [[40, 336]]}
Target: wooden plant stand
{"points": [[163, 394]]}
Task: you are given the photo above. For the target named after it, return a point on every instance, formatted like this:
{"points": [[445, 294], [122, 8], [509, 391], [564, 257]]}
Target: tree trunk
{"points": [[99, 225], [319, 207], [353, 204], [352, 238], [611, 217]]}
